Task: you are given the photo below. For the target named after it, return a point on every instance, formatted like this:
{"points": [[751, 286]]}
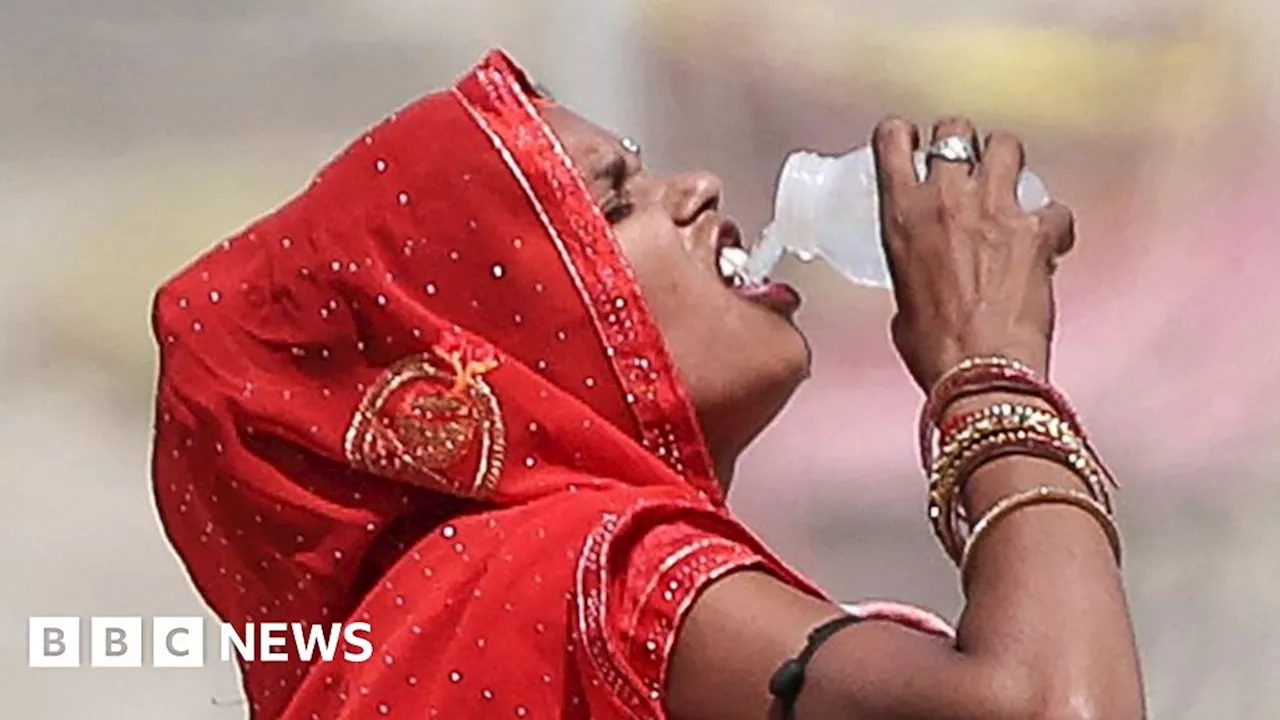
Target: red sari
{"points": [[426, 394]]}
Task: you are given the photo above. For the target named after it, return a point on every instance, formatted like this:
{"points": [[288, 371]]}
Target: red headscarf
{"points": [[426, 394]]}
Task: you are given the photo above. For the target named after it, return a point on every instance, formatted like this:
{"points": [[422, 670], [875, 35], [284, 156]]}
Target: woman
{"points": [[482, 386]]}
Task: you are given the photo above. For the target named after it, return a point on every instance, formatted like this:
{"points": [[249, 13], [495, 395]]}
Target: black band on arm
{"points": [[788, 680]]}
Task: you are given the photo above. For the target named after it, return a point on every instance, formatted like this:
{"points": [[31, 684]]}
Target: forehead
{"points": [[582, 139]]}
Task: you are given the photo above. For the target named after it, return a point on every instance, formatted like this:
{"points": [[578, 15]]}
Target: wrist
{"points": [[967, 404], [1013, 474], [993, 429], [1004, 476]]}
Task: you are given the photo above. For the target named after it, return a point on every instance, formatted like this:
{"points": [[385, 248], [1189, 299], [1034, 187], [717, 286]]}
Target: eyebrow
{"points": [[614, 170]]}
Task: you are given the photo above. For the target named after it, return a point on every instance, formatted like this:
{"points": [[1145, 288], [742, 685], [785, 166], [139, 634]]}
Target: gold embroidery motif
{"points": [[432, 420]]}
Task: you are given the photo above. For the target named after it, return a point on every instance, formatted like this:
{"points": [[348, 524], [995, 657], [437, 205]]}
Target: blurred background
{"points": [[135, 134]]}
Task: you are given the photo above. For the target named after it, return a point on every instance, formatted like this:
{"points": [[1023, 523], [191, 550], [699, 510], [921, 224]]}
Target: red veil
{"points": [[426, 394]]}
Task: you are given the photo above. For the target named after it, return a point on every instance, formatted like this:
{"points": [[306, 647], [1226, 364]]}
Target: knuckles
{"points": [[1004, 141], [894, 129], [953, 125]]}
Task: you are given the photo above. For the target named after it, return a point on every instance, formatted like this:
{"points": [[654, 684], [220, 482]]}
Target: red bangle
{"points": [[988, 374]]}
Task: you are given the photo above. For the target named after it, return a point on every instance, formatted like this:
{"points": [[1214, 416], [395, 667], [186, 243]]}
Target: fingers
{"points": [[894, 143], [1058, 228], [1002, 162], [946, 172]]}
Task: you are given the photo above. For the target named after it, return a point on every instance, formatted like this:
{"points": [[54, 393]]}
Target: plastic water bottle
{"points": [[829, 207]]}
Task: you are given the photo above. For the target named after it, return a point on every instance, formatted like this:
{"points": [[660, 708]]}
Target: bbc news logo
{"points": [[179, 642]]}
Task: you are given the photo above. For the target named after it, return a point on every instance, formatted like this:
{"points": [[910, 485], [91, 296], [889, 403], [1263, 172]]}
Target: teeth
{"points": [[733, 261]]}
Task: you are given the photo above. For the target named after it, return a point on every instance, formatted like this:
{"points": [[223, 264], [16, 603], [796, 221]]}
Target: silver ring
{"points": [[953, 148]]}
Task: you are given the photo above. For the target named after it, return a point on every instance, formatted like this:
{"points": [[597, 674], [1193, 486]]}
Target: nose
{"points": [[691, 194]]}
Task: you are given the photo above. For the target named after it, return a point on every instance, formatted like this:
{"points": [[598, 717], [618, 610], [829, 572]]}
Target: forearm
{"points": [[1045, 632], [1045, 598]]}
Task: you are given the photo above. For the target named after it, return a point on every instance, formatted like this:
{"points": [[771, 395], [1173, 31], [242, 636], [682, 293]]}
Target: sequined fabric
{"points": [[426, 394]]}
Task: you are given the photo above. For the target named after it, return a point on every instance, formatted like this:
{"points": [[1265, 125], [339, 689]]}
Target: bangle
{"points": [[1031, 423], [945, 511], [1039, 447], [1043, 495], [970, 377], [998, 431], [987, 374]]}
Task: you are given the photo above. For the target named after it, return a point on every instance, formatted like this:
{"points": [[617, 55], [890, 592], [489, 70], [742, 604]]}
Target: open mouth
{"points": [[731, 257], [732, 261]]}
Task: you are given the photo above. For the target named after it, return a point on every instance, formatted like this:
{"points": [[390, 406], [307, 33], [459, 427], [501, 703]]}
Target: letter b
{"points": [[115, 641], [53, 642]]}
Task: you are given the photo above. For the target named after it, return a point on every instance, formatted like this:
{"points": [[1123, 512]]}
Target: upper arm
{"points": [[682, 614], [743, 627]]}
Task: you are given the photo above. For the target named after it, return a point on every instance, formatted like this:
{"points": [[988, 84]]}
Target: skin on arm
{"points": [[1045, 632]]}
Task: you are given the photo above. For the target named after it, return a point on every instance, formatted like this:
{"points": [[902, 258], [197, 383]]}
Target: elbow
{"points": [[1085, 709], [1048, 703], [1079, 707]]}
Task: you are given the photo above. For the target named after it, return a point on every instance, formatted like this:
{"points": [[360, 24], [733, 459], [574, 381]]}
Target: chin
{"points": [[794, 356], [777, 376], [756, 397], [740, 393], [774, 397], [731, 431]]}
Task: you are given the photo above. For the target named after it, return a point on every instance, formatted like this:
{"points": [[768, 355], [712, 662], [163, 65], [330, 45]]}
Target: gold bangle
{"points": [[998, 430], [1064, 451], [1045, 494]]}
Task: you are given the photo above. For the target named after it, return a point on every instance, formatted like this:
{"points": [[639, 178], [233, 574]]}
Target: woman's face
{"points": [[738, 352]]}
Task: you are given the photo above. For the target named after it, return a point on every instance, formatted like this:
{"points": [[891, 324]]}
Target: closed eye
{"points": [[617, 204]]}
